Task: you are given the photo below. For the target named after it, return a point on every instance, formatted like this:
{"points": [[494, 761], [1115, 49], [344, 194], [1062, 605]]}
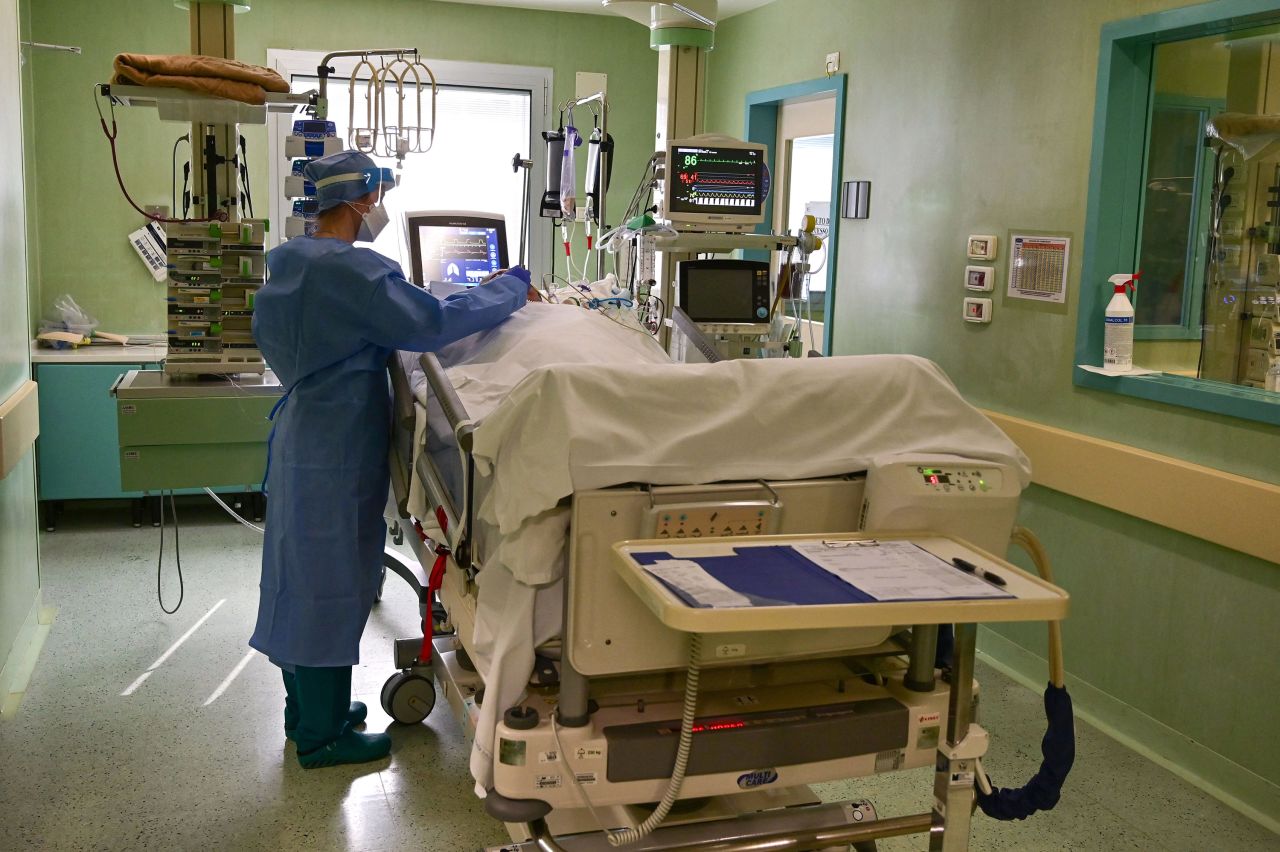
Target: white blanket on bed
{"points": [[569, 400], [577, 427]]}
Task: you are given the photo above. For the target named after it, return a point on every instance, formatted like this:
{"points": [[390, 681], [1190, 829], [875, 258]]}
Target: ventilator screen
{"points": [[458, 248]]}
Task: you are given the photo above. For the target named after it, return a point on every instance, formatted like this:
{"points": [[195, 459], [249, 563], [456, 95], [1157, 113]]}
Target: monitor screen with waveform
{"points": [[460, 248], [716, 180]]}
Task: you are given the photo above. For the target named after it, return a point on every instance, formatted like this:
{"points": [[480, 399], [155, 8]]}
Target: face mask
{"points": [[372, 223]]}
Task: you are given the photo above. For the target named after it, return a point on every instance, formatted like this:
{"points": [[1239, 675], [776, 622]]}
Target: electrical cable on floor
{"points": [[177, 552], [233, 513]]}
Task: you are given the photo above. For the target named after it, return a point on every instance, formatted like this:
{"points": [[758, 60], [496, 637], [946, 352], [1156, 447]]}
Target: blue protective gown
{"points": [[327, 321]]}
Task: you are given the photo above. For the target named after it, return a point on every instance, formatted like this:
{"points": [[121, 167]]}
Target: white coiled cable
{"points": [[644, 829]]}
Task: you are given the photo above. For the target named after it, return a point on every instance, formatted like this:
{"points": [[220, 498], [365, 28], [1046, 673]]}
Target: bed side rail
{"points": [[464, 431], [402, 429], [442, 388], [401, 393]]}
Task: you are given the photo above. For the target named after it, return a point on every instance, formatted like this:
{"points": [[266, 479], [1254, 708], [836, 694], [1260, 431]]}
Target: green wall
{"points": [[976, 117], [83, 248], [19, 572], [29, 162], [1183, 629], [1196, 68]]}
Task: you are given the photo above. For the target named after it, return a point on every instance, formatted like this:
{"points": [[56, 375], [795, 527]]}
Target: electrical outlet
{"points": [[977, 310], [981, 278], [833, 62], [983, 246]]}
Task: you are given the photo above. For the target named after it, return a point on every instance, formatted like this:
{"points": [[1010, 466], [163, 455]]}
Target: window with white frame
{"points": [[485, 114]]}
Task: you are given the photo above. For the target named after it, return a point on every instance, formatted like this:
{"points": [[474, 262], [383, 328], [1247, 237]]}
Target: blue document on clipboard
{"points": [[815, 573]]}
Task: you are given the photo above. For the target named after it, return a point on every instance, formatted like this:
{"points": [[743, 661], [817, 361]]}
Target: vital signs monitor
{"points": [[715, 183]]}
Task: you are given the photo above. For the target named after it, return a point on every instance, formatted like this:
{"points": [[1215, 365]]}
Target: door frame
{"points": [[761, 120]]}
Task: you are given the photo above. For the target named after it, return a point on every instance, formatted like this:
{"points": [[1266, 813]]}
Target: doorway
{"points": [[803, 125]]}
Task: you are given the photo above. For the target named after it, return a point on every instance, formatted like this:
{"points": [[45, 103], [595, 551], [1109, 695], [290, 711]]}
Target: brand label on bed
{"points": [[548, 782], [548, 756], [759, 778], [927, 718]]}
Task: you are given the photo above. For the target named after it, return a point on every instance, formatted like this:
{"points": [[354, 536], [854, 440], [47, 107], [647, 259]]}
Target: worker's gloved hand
{"points": [[520, 274], [515, 272]]}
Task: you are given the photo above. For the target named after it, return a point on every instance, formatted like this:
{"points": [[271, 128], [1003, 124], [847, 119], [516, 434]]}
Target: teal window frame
{"points": [[762, 126], [1197, 244], [1121, 113]]}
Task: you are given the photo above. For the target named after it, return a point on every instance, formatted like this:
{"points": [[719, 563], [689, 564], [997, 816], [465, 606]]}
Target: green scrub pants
{"points": [[316, 704]]}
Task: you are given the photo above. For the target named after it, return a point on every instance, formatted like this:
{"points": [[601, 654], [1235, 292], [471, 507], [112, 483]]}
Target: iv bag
{"points": [[569, 173]]}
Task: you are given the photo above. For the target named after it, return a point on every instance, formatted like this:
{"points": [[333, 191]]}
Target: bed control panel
{"points": [[973, 500], [715, 520]]}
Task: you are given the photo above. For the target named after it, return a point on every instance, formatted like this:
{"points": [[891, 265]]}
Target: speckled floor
{"points": [[83, 767]]}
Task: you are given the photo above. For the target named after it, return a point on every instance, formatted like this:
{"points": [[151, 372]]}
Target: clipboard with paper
{"points": [[798, 582]]}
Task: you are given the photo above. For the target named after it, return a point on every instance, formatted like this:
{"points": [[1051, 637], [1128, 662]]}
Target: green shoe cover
{"points": [[351, 747], [356, 714]]}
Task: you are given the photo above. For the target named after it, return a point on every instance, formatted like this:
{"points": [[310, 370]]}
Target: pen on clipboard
{"points": [[969, 568]]}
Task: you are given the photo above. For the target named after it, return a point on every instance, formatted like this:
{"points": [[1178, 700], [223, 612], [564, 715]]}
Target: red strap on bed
{"points": [[433, 586], [434, 581]]}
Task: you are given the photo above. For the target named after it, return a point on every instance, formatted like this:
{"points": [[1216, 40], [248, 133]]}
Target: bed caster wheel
{"points": [[397, 534], [382, 584], [408, 698]]}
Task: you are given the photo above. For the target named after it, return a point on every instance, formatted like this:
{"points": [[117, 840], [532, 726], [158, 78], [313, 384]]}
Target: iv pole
{"points": [[603, 166]]}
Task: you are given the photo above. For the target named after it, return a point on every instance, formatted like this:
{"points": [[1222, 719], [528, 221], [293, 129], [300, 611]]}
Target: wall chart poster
{"points": [[1038, 267]]}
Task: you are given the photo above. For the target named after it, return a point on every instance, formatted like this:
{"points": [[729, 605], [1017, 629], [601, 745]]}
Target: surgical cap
{"points": [[345, 177]]}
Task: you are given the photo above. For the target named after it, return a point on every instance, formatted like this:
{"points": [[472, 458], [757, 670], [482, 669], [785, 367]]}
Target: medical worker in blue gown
{"points": [[327, 320]]}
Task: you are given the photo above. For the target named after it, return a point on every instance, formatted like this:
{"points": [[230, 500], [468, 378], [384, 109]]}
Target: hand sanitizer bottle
{"points": [[1117, 343]]}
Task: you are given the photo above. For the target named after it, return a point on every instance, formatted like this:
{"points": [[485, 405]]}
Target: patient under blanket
{"points": [[571, 400]]}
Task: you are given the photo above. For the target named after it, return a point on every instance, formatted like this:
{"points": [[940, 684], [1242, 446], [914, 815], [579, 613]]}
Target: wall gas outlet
{"points": [[977, 310], [982, 246], [981, 278]]}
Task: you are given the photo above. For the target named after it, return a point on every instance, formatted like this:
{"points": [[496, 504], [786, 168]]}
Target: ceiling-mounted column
{"points": [[682, 91], [683, 33], [213, 30], [213, 146]]}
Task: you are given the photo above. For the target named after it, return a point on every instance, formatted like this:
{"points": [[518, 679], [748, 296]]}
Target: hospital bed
{"points": [[572, 667]]}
